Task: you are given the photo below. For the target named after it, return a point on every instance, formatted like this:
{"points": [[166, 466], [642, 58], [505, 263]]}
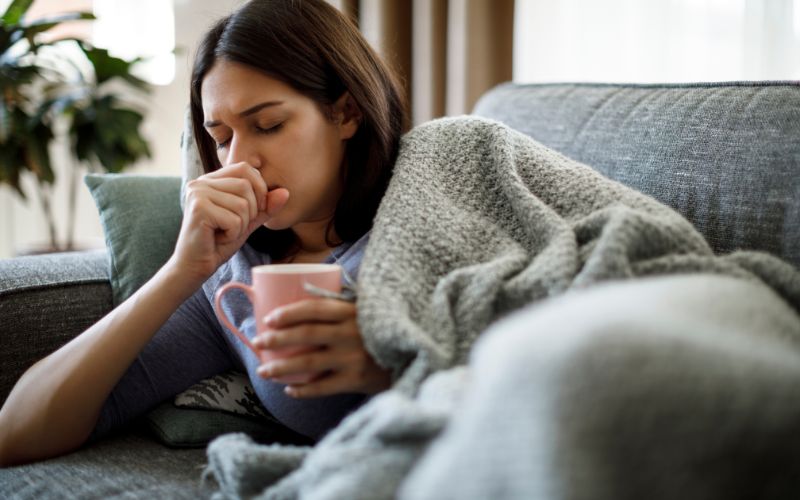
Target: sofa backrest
{"points": [[727, 155]]}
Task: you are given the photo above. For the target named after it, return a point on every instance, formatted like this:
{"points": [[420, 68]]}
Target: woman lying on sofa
{"points": [[450, 229], [298, 123]]}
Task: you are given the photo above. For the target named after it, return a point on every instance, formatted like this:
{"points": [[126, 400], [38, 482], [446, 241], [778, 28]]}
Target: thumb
{"points": [[276, 200]]}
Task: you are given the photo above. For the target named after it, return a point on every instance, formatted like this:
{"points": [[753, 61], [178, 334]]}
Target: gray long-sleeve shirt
{"points": [[193, 345]]}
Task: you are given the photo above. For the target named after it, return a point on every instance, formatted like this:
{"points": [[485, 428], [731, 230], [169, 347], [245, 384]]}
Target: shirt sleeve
{"points": [[186, 349]]}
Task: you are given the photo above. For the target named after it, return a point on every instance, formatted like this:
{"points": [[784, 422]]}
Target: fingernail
{"points": [[265, 369], [272, 318]]}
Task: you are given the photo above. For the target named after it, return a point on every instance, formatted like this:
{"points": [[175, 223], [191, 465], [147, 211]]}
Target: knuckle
{"points": [[362, 372], [317, 307], [242, 184], [196, 206], [237, 220], [354, 360], [306, 333], [307, 362], [241, 205]]}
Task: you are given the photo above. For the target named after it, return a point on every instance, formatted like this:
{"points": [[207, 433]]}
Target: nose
{"points": [[240, 150]]}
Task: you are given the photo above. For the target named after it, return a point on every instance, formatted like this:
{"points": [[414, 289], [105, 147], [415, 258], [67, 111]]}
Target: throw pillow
{"points": [[191, 166], [141, 218], [230, 392], [214, 406], [191, 428]]}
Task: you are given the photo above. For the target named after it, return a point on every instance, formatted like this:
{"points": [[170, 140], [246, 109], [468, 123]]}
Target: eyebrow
{"points": [[247, 112]]}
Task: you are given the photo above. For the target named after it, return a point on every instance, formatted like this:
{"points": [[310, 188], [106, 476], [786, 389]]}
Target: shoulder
{"points": [[460, 132], [458, 126]]}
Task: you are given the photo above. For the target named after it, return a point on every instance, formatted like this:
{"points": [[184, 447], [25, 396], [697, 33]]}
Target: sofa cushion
{"points": [[141, 218], [129, 465], [45, 301], [726, 155]]}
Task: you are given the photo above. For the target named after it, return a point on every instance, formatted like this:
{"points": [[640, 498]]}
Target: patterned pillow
{"points": [[215, 406], [230, 391]]}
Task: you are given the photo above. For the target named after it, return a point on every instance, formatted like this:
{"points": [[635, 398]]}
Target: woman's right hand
{"points": [[221, 209]]}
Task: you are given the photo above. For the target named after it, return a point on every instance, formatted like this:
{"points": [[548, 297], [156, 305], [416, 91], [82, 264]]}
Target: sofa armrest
{"points": [[45, 301]]}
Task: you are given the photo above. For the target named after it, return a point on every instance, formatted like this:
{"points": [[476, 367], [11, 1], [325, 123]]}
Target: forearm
{"points": [[55, 404]]}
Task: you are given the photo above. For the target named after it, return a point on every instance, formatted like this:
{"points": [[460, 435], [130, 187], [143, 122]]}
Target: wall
{"points": [[21, 223]]}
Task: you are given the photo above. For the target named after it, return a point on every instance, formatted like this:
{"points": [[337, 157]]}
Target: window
{"points": [[663, 41], [139, 28], [127, 28]]}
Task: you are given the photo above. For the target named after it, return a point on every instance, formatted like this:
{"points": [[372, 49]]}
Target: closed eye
{"points": [[260, 130], [270, 130]]}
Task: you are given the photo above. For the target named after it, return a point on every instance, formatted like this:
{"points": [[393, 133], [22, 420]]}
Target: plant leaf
{"points": [[61, 18], [11, 159], [30, 30], [36, 149], [108, 133], [5, 124], [105, 65], [16, 11]]}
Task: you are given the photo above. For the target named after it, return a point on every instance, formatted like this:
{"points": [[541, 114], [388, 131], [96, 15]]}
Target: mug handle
{"points": [[248, 290]]}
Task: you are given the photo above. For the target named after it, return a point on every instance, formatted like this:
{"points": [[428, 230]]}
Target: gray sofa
{"points": [[727, 156]]}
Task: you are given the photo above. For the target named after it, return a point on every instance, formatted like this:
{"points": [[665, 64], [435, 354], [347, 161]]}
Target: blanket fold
{"points": [[479, 221]]}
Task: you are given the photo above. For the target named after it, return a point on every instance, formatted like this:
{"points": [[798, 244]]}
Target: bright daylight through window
{"points": [[656, 41]]}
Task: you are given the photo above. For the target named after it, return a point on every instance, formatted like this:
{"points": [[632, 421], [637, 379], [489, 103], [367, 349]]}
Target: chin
{"points": [[276, 224]]}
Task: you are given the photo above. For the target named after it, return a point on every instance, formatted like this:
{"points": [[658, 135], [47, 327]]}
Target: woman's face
{"points": [[262, 121]]}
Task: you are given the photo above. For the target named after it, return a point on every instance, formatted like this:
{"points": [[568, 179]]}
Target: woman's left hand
{"points": [[329, 326]]}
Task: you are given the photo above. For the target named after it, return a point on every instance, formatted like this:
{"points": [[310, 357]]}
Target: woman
{"points": [[297, 123]]}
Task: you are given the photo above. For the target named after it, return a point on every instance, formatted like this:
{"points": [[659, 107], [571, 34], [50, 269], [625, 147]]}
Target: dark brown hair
{"points": [[319, 52]]}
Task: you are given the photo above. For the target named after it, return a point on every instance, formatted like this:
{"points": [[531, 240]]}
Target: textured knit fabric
{"points": [[725, 155], [193, 345], [478, 221], [660, 388]]}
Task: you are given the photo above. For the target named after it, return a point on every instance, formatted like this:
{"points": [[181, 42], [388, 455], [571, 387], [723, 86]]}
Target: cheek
{"points": [[314, 154]]}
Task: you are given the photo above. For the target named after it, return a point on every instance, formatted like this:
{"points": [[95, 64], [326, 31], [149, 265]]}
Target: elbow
{"points": [[6, 458], [11, 451]]}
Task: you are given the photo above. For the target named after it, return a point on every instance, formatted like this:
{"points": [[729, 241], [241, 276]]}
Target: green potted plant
{"points": [[63, 86]]}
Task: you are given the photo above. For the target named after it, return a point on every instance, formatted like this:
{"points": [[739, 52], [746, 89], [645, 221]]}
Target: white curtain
{"points": [[656, 40]]}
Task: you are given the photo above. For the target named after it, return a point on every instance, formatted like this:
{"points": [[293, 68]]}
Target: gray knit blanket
{"points": [[479, 223]]}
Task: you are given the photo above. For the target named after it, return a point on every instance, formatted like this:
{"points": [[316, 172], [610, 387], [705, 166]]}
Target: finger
{"points": [[322, 334], [245, 171], [259, 185], [228, 224], [259, 221], [241, 188], [334, 383], [316, 361], [310, 310], [230, 202], [276, 200]]}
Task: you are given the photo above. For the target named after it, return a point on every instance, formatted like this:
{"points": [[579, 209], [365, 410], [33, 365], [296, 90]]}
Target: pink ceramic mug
{"points": [[273, 286]]}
